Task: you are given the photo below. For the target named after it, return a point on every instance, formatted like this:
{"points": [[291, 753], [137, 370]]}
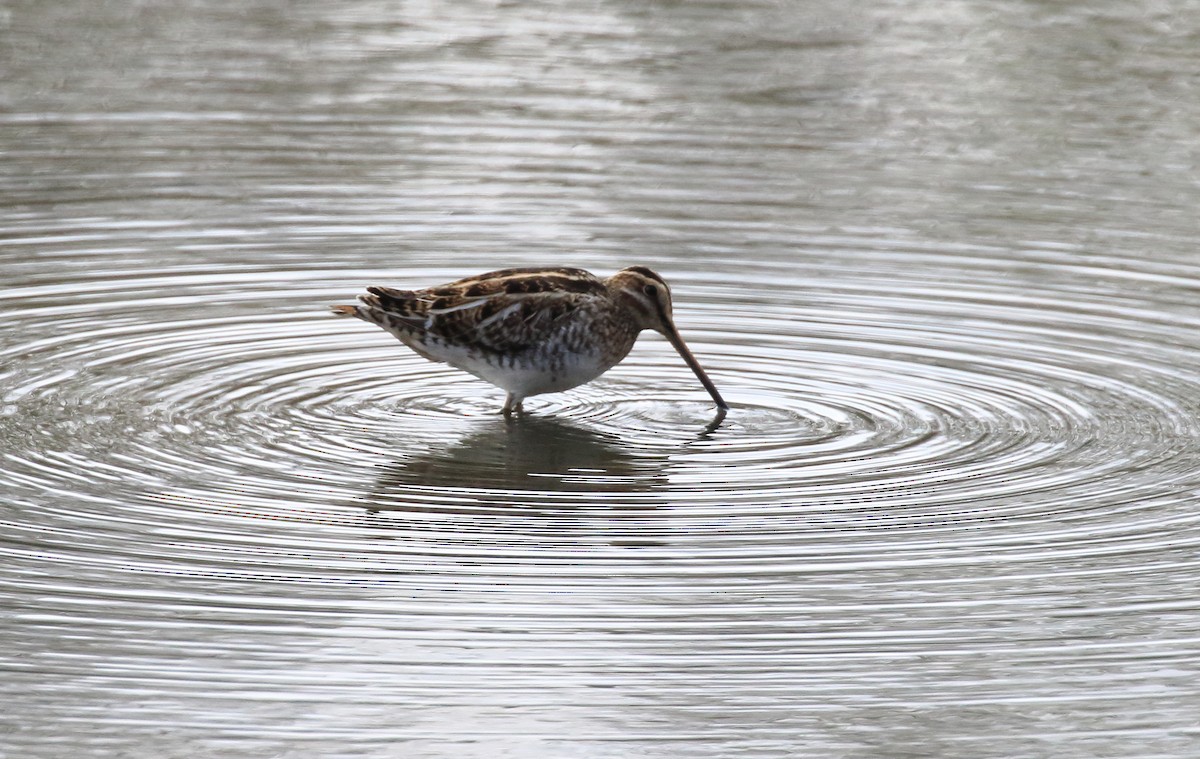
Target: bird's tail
{"points": [[390, 309]]}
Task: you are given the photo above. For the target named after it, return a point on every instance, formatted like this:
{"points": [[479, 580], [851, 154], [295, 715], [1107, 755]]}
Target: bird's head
{"points": [[648, 300], [647, 297]]}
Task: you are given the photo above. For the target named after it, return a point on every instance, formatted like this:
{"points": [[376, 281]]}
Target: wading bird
{"points": [[530, 331]]}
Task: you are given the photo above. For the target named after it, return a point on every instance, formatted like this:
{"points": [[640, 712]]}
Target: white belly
{"points": [[522, 379]]}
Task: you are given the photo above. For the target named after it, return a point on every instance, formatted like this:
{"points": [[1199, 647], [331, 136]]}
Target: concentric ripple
{"points": [[881, 411]]}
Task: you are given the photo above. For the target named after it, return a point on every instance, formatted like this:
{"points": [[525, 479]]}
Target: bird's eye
{"points": [[650, 290]]}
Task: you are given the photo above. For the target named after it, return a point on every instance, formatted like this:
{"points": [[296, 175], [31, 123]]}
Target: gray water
{"points": [[941, 257]]}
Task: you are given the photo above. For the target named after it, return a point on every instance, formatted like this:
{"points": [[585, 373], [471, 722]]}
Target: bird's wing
{"points": [[506, 324], [503, 312]]}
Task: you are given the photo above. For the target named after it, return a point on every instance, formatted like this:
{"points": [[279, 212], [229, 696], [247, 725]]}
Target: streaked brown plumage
{"points": [[530, 331]]}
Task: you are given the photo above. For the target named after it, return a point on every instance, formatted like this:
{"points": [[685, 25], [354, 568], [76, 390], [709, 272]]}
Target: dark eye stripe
{"points": [[644, 303]]}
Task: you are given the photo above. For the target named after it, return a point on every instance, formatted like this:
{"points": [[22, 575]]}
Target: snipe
{"points": [[530, 331]]}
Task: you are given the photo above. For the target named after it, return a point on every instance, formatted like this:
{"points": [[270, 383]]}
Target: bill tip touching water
{"points": [[532, 330]]}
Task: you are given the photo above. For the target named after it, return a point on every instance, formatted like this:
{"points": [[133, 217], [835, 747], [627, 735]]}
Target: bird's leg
{"points": [[512, 404]]}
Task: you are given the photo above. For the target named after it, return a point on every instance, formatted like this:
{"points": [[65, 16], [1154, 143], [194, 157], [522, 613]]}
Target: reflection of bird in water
{"points": [[591, 485], [530, 331], [531, 455]]}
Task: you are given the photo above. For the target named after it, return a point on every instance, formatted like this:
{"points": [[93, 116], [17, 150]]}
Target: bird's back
{"points": [[506, 317]]}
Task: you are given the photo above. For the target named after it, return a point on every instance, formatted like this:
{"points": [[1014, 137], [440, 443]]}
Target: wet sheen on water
{"points": [[940, 259]]}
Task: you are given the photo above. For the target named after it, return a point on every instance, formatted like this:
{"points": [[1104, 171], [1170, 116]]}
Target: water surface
{"points": [[940, 259]]}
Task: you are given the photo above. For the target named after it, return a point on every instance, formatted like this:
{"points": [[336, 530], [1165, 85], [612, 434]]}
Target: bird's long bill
{"points": [[673, 335]]}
